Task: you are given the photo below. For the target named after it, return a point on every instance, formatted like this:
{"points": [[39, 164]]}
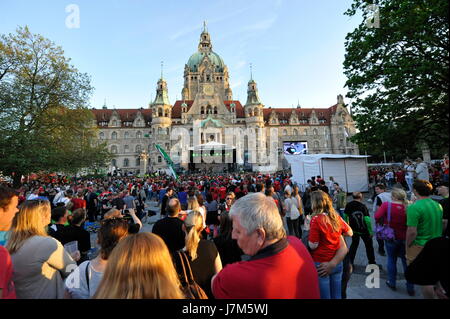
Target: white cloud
{"points": [[235, 85], [261, 25], [240, 65]]}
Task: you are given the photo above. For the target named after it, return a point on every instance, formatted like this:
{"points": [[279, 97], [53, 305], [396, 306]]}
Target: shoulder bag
{"points": [[383, 231], [188, 285]]}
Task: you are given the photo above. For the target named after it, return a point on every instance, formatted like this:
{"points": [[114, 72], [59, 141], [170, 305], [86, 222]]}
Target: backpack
{"points": [[188, 285], [357, 222]]}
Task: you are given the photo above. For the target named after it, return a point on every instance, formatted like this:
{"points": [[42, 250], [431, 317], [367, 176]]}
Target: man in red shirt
{"points": [[78, 201], [279, 267], [8, 208]]}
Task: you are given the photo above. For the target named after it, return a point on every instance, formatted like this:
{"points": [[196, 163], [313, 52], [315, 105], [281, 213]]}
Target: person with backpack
{"points": [[358, 218]]}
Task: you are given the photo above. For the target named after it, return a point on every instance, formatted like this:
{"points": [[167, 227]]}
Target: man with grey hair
{"points": [[279, 266]]}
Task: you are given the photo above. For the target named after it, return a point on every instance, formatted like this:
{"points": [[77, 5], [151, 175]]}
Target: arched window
{"points": [[138, 148], [159, 159], [306, 132], [315, 132], [208, 109], [102, 135], [114, 123], [114, 135], [139, 134], [114, 149], [215, 109], [126, 162], [126, 135], [168, 131], [256, 112], [159, 130], [114, 162], [202, 110], [160, 112], [138, 161], [284, 132], [126, 149], [295, 132], [167, 113]]}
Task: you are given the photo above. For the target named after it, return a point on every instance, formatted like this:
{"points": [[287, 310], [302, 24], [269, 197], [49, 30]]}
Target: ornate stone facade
{"points": [[207, 96]]}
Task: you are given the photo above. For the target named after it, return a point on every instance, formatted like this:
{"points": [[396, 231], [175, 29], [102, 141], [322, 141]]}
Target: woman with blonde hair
{"points": [[202, 254], [324, 240], [194, 206], [140, 267], [394, 214], [40, 261]]}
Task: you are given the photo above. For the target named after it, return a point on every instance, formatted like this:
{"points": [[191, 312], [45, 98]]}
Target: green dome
{"points": [[197, 58]]}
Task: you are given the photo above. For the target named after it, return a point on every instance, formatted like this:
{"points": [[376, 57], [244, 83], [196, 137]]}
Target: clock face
{"points": [[208, 89]]}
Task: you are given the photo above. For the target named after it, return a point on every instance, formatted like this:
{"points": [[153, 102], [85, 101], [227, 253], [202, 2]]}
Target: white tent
{"points": [[350, 171]]}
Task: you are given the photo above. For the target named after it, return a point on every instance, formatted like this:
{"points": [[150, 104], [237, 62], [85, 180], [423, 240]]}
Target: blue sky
{"points": [[296, 46]]}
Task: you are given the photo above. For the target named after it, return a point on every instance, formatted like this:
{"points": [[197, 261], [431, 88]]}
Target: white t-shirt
{"points": [[77, 285], [409, 171], [288, 188]]}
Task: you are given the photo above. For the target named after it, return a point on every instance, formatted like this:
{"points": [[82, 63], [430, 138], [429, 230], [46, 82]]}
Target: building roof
{"points": [[176, 109], [125, 115], [283, 114], [196, 59], [238, 108]]}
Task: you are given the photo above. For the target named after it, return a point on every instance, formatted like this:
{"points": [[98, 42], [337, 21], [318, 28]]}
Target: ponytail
{"points": [[192, 240], [194, 225]]}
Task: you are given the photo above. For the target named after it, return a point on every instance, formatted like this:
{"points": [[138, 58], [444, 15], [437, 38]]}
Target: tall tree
{"points": [[398, 75], [45, 123]]}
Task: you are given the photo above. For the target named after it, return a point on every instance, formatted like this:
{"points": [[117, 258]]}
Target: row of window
{"points": [[126, 162], [137, 149], [301, 121], [127, 135], [161, 130], [124, 123]]}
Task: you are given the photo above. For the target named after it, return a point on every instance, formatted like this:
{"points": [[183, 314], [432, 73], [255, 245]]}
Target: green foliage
{"points": [[398, 76], [45, 123]]}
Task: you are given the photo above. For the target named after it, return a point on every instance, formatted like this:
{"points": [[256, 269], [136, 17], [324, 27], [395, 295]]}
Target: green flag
{"points": [[167, 159]]}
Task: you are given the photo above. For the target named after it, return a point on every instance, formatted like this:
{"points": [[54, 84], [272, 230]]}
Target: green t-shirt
{"points": [[426, 215]]}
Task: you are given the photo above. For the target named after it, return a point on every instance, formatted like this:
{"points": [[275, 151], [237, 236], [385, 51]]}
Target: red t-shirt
{"points": [[329, 240], [277, 186], [289, 274], [78, 203], [223, 192], [400, 176], [6, 272], [398, 218]]}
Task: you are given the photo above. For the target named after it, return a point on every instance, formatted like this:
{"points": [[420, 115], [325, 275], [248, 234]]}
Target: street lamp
{"points": [[384, 152], [144, 157]]}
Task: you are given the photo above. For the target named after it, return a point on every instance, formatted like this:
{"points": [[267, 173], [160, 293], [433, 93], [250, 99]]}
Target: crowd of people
{"points": [[405, 173], [217, 237]]}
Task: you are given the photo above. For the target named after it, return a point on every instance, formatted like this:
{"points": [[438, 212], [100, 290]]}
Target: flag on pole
{"points": [[345, 132], [167, 159]]}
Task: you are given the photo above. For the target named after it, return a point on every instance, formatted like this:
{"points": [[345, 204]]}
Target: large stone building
{"points": [[207, 100]]}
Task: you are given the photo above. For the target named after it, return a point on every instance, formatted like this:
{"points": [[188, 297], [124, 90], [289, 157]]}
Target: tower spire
{"points": [[162, 67], [251, 72], [204, 26]]}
